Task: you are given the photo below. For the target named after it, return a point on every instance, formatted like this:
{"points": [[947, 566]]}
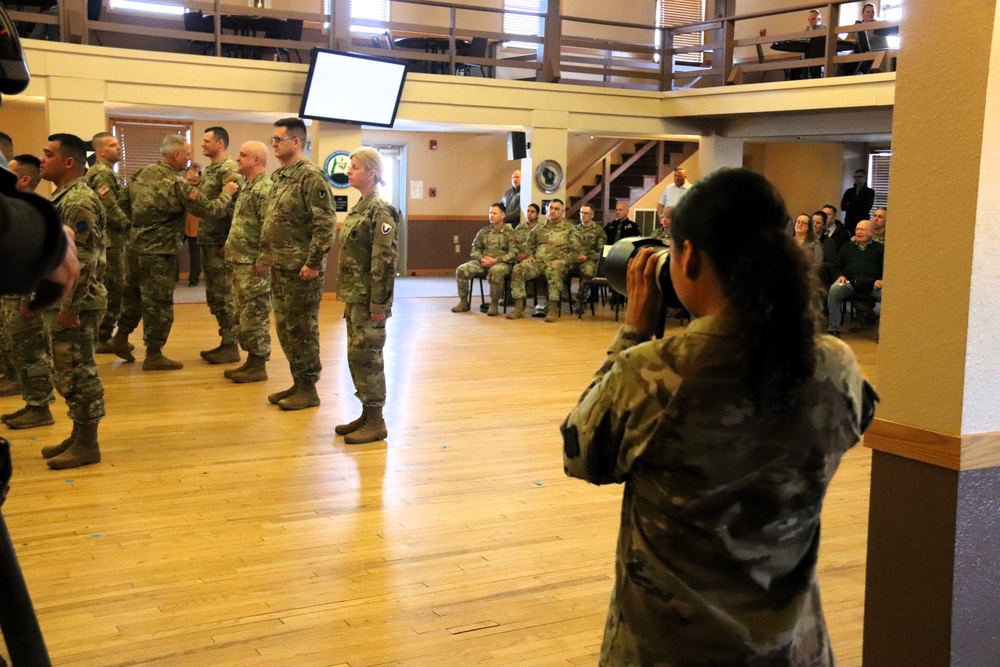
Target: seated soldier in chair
{"points": [[589, 240], [493, 251]]}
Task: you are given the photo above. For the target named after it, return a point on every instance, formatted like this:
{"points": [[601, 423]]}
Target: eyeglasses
{"points": [[278, 140]]}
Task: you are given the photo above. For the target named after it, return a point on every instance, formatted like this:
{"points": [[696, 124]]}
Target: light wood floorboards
{"points": [[220, 531]]}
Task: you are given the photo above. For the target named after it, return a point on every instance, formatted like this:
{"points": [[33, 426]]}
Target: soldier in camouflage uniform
{"points": [[102, 179], [549, 252], [161, 200], [299, 227], [368, 255], [726, 437], [251, 279], [662, 230], [524, 230], [25, 334], [589, 241], [213, 230], [74, 325], [493, 251]]}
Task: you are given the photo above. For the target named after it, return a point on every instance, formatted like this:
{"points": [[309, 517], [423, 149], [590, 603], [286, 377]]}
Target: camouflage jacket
{"points": [[299, 222], [549, 241], [589, 240], [214, 229], [720, 522], [661, 233], [521, 235], [108, 185], [498, 243], [243, 244], [368, 254], [161, 200], [81, 210]]}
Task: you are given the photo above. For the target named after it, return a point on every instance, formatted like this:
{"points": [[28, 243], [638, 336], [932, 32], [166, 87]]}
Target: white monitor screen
{"points": [[352, 89]]}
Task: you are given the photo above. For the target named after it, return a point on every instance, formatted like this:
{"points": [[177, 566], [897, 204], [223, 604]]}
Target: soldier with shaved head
{"points": [[251, 278]]}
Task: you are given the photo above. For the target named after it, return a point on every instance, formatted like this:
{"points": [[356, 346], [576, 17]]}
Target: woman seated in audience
{"points": [[875, 42], [805, 238]]}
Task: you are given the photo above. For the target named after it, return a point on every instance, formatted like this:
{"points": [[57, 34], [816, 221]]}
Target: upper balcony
{"points": [[618, 46]]}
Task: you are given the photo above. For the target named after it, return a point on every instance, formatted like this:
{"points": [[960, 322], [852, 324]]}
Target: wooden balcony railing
{"points": [[637, 56]]}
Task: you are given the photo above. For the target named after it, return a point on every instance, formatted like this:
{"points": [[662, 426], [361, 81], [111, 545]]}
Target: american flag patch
{"points": [[386, 228]]}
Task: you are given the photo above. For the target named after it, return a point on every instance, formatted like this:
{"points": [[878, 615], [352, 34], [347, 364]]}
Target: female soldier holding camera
{"points": [[725, 436]]}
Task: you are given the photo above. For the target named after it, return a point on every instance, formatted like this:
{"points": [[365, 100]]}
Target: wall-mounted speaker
{"points": [[517, 146]]}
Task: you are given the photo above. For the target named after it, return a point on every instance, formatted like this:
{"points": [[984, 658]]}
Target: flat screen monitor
{"points": [[348, 88]]}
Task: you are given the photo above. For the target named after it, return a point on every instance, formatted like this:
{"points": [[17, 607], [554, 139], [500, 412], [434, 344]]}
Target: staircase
{"points": [[629, 175]]}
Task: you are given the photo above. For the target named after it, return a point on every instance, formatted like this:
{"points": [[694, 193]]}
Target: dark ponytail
{"points": [[738, 219]]}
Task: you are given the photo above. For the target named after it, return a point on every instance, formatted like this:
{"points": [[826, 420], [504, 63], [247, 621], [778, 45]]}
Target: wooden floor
{"points": [[219, 530]]}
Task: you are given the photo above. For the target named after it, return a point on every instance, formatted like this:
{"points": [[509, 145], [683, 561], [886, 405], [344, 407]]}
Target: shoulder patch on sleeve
{"points": [[386, 228]]}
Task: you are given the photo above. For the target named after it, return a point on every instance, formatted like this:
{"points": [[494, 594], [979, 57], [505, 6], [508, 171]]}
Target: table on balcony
{"points": [[430, 45]]}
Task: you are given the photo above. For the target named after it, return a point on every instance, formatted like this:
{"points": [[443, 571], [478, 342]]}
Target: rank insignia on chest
{"points": [[386, 228]]}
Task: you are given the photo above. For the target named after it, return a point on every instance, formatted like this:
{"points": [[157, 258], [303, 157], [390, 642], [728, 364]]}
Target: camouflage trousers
{"points": [[29, 342], [219, 290], [6, 363], [252, 297], [149, 297], [296, 318], [365, 340], [474, 269], [554, 274], [586, 271], [75, 368], [114, 281]]}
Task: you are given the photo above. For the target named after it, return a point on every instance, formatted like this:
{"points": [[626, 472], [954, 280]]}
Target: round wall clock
{"points": [[336, 166], [548, 176]]}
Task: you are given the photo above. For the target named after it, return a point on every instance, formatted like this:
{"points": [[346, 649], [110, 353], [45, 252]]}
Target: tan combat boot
{"points": [[351, 427], [35, 415], [494, 300], [55, 450], [278, 396], [372, 430], [462, 307], [120, 346], [10, 415], [305, 396], [254, 370], [155, 361], [205, 353], [226, 354], [518, 311], [82, 451], [228, 373], [103, 346], [553, 313]]}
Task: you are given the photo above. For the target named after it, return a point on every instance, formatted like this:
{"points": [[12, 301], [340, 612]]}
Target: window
{"points": [[521, 24], [143, 6], [878, 176], [372, 10], [892, 10], [678, 12], [140, 140]]}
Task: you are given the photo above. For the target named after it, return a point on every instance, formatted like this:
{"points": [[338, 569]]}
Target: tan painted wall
{"points": [[469, 171], [807, 175]]}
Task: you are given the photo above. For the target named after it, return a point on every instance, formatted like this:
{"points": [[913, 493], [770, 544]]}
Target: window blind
{"points": [[878, 176], [678, 12], [140, 141]]}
